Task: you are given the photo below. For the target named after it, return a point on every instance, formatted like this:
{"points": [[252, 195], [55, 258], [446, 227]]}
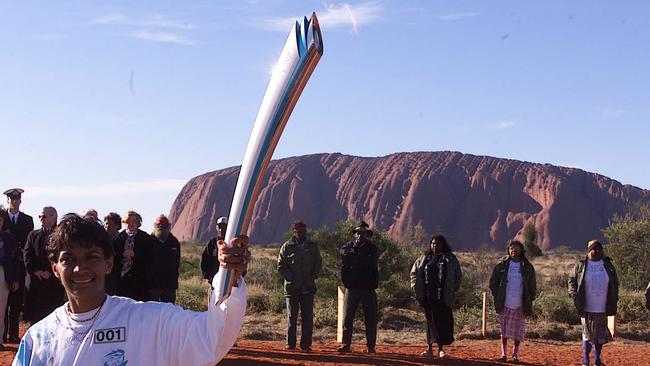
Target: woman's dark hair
{"points": [[520, 245], [439, 238], [74, 230], [114, 218]]}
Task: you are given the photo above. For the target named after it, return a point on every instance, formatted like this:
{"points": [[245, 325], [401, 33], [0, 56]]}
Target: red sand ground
{"points": [[461, 353]]}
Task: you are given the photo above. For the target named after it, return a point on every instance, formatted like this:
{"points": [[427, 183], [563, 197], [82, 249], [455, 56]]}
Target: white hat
{"points": [[222, 220]]}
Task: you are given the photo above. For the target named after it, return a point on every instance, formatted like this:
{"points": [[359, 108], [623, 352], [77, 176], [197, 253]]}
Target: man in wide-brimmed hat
{"points": [[360, 275], [20, 225]]}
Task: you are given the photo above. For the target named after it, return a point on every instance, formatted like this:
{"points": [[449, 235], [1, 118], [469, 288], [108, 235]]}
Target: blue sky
{"points": [[115, 105]]}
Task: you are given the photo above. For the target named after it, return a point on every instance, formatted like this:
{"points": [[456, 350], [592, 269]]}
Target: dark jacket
{"points": [[134, 283], [299, 266], [359, 267], [8, 263], [20, 230], [499, 281], [453, 278], [165, 261], [577, 286], [43, 296], [209, 260]]}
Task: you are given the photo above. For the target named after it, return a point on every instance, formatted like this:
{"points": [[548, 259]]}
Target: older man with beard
{"points": [[165, 261], [45, 292]]}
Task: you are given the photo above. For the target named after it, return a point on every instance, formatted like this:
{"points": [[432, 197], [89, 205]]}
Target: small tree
{"points": [[529, 235], [628, 239]]}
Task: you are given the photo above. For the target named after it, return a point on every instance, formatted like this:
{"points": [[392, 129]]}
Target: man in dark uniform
{"points": [[209, 260], [45, 292], [360, 275], [8, 283], [132, 258], [20, 225], [165, 262]]}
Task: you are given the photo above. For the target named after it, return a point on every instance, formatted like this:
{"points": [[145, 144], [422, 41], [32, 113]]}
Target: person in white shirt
{"points": [[593, 286], [93, 328], [514, 287]]}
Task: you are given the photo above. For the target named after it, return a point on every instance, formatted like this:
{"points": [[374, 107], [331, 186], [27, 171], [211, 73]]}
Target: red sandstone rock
{"points": [[473, 200]]}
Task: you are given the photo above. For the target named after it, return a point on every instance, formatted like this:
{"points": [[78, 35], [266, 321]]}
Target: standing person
{"points": [[299, 263], [593, 286], [112, 224], [514, 287], [165, 261], [133, 256], [209, 260], [93, 328], [435, 279], [20, 225], [360, 276], [45, 292], [8, 283]]}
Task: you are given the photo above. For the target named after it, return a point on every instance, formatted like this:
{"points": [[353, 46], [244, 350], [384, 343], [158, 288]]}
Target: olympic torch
{"points": [[300, 55]]}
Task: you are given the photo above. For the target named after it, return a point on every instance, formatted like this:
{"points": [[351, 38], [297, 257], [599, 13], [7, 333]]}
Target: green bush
{"points": [[192, 294], [555, 306], [631, 307], [325, 313]]}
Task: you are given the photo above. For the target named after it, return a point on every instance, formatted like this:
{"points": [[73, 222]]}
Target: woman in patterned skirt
{"points": [[513, 286]]}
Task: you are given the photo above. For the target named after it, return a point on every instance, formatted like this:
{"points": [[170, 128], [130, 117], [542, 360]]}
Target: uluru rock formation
{"points": [[474, 200]]}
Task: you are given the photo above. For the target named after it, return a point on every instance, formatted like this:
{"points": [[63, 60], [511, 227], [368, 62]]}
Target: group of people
{"points": [[88, 261], [146, 266], [435, 279]]}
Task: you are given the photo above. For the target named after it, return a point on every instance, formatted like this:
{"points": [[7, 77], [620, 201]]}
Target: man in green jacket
{"points": [[299, 263]]}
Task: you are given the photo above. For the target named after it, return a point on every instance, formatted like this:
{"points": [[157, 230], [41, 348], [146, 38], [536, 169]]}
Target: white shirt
{"points": [[514, 286], [136, 333], [14, 217], [596, 284]]}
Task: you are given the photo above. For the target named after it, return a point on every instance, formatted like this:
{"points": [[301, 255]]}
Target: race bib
{"points": [[111, 335]]}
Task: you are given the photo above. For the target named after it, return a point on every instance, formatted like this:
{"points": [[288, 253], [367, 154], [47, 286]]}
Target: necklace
{"points": [[78, 336]]}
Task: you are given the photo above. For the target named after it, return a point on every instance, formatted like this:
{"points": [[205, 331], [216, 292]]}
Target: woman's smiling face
{"points": [[82, 272]]}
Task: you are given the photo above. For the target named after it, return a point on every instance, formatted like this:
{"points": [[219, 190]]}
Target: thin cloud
{"points": [[162, 37], [344, 15], [612, 113], [458, 16], [103, 190], [505, 125], [152, 21], [48, 37]]}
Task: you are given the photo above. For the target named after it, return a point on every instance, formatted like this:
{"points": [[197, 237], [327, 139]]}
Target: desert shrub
{"points": [[629, 245], [258, 298], [325, 313], [394, 292], [263, 272], [192, 294], [631, 306], [555, 306], [189, 267], [529, 236]]}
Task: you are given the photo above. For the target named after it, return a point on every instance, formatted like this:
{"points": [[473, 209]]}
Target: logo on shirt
{"points": [[115, 358], [110, 335]]}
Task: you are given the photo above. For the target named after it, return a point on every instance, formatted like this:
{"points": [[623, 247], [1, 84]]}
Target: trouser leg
{"points": [[351, 302], [292, 318], [306, 319], [4, 294], [432, 334], [370, 317]]}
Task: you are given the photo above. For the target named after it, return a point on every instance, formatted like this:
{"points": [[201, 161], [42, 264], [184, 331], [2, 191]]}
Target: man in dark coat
{"points": [[20, 225], [209, 260], [45, 292], [299, 263], [8, 247], [360, 275], [132, 257], [165, 262]]}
